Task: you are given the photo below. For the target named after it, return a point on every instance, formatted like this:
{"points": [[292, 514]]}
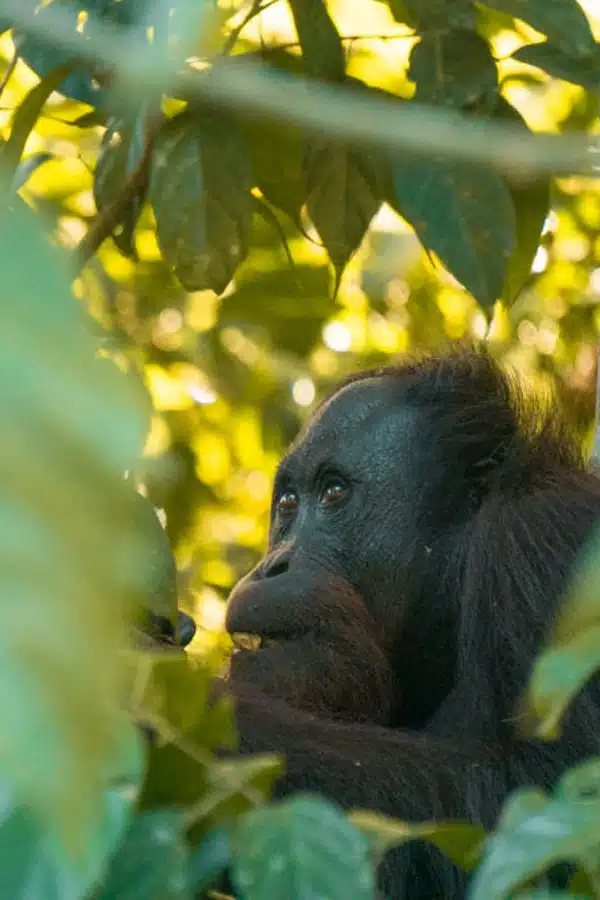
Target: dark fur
{"points": [[416, 627]]}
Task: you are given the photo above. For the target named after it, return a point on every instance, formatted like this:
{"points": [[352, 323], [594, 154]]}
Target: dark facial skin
{"points": [[329, 590]]}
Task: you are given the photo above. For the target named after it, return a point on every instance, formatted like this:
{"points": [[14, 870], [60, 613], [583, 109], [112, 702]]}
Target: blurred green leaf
{"points": [[463, 213], [27, 114], [554, 60], [69, 549], [462, 843], [573, 654], [563, 21], [303, 847], [531, 201], [322, 49], [345, 189], [209, 860], [200, 192], [455, 68], [536, 832], [152, 861]]}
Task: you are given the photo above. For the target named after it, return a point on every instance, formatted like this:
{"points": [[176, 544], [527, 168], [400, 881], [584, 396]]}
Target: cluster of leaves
{"points": [[167, 819], [199, 168]]}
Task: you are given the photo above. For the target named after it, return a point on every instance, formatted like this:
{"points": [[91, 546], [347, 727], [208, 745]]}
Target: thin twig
{"points": [[255, 10], [11, 68]]}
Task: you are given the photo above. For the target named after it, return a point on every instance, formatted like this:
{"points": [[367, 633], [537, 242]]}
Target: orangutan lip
{"points": [[243, 640]]}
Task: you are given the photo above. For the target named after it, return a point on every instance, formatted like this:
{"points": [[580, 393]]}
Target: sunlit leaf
{"points": [[28, 167], [345, 189], [454, 68], [463, 213], [69, 549], [461, 843], [536, 832], [200, 192], [301, 848], [27, 114], [562, 21], [554, 60], [573, 655]]}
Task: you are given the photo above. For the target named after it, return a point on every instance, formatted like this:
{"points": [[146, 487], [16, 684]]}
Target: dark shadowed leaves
{"points": [[558, 63], [322, 49], [531, 201], [454, 68], [301, 848], [535, 832], [425, 14], [344, 191], [562, 21], [573, 655], [123, 146], [200, 192], [276, 153], [460, 843], [464, 214], [152, 861]]}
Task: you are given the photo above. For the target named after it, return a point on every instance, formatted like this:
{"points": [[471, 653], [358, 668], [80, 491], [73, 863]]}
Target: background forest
{"points": [[236, 263]]}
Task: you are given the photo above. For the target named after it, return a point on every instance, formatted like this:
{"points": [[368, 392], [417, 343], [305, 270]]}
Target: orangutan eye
{"points": [[287, 503], [333, 490]]}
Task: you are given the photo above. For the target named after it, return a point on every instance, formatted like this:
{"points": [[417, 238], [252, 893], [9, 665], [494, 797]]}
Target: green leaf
{"points": [[122, 148], [426, 14], [558, 63], [301, 848], [562, 21], [454, 68], [535, 833], [200, 192], [461, 843], [464, 214], [152, 862], [276, 152], [344, 191], [531, 201], [573, 655], [34, 865], [321, 44], [27, 114], [72, 427], [209, 860]]}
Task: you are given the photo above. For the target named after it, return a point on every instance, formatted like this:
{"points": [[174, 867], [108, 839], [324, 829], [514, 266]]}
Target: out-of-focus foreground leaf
{"points": [[303, 847], [459, 842], [69, 552], [573, 655], [34, 864], [535, 832]]}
